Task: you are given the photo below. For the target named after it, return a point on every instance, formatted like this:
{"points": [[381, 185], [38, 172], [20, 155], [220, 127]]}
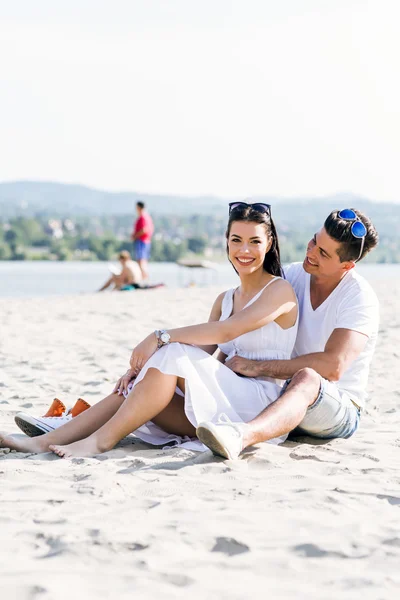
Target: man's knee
{"points": [[307, 375], [309, 380]]}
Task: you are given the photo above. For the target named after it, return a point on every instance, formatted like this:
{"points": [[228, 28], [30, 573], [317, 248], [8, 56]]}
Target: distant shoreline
{"points": [[28, 279]]}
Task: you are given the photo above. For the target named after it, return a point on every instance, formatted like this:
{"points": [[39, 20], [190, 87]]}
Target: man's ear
{"points": [[348, 265]]}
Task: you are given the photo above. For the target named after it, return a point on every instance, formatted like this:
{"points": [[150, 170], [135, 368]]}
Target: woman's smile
{"points": [[245, 260]]}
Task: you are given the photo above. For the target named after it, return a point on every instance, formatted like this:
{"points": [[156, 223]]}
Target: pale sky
{"points": [[228, 97]]}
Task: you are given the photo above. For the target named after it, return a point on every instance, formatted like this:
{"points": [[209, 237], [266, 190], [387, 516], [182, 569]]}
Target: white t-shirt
{"points": [[352, 305]]}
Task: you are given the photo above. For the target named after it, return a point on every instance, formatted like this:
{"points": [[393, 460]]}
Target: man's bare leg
{"points": [[116, 280], [144, 268], [147, 400], [286, 413], [76, 429], [107, 284]]}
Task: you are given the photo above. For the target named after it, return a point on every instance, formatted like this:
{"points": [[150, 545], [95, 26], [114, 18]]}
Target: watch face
{"points": [[165, 338]]}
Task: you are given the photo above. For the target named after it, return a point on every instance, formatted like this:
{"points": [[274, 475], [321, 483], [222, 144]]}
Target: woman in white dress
{"points": [[174, 383]]}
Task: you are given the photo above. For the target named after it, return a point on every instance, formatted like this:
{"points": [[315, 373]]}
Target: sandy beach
{"points": [[301, 520]]}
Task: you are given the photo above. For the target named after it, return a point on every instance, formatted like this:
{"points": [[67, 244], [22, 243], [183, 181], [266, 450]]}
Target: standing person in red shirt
{"points": [[141, 236]]}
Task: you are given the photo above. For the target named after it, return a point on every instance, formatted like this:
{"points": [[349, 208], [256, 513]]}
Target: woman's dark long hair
{"points": [[272, 260]]}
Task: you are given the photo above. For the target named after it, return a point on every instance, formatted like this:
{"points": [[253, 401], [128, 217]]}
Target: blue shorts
{"points": [[333, 414], [142, 250]]}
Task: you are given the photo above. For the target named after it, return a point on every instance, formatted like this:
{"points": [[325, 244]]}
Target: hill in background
{"points": [[69, 221], [62, 200], [30, 198]]}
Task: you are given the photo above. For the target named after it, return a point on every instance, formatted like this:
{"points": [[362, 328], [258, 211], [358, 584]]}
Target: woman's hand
{"points": [[122, 384], [143, 352]]}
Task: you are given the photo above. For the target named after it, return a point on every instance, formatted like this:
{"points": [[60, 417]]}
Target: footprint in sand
{"points": [[392, 542], [36, 590], [134, 466], [230, 546], [393, 500], [296, 456], [55, 546], [177, 579], [81, 477]]}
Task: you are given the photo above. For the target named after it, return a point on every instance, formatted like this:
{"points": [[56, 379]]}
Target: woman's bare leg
{"points": [[78, 428], [174, 420], [147, 400]]}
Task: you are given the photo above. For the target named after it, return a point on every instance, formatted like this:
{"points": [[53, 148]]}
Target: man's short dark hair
{"points": [[340, 230], [140, 204]]}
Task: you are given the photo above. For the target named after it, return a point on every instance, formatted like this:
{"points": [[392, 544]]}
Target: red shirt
{"points": [[144, 222]]}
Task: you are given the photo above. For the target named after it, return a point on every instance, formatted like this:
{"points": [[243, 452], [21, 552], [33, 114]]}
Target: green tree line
{"points": [[102, 238]]}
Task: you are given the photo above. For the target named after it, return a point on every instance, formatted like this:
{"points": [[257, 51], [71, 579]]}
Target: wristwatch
{"points": [[163, 337]]}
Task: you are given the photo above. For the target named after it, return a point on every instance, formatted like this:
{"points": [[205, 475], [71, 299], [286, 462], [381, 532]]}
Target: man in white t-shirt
{"points": [[327, 376]]}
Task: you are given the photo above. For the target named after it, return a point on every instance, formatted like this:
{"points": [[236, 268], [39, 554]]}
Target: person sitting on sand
{"points": [[327, 376], [130, 274], [173, 383]]}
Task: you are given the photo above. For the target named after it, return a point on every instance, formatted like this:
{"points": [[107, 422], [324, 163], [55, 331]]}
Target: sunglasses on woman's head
{"points": [[258, 206], [358, 229]]}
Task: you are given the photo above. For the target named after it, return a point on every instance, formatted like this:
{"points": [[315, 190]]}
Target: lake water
{"points": [[48, 278]]}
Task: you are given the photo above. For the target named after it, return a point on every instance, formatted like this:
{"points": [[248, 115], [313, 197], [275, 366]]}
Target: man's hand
{"points": [[244, 366]]}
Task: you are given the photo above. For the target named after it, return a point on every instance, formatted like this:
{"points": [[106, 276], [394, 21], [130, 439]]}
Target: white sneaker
{"points": [[34, 426], [56, 416], [224, 438]]}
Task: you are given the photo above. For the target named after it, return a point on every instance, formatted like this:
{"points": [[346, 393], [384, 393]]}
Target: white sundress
{"points": [[211, 388]]}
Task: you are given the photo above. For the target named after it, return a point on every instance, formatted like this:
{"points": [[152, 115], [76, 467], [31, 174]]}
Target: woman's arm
{"points": [[221, 357], [148, 346], [215, 315], [278, 299]]}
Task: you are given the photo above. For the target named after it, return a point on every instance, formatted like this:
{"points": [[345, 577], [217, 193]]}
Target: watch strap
{"points": [[158, 336], [159, 333]]}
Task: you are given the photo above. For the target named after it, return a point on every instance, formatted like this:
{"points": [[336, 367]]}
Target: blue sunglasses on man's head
{"points": [[357, 229], [258, 206]]}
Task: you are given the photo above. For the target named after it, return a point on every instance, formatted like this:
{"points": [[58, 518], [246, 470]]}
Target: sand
{"points": [[301, 520]]}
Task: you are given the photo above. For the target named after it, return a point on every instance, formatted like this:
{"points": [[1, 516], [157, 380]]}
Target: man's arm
{"points": [[341, 349], [139, 233]]}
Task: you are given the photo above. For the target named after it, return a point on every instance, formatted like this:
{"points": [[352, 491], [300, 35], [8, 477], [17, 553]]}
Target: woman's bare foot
{"points": [[34, 445], [86, 447]]}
